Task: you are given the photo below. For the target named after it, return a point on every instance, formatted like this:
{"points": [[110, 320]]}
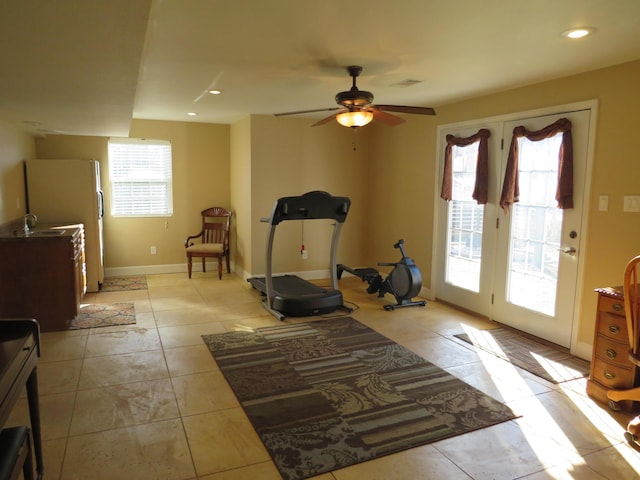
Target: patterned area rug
{"points": [[545, 361], [120, 284], [104, 315], [331, 393]]}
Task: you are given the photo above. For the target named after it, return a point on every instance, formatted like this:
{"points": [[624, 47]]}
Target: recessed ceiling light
{"points": [[215, 92], [192, 114], [578, 32]]}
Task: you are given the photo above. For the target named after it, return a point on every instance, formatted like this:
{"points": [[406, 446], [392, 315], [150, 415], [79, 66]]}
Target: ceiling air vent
{"points": [[405, 83]]}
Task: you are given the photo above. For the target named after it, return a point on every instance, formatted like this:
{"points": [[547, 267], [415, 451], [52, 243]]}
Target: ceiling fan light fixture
{"points": [[355, 118]]}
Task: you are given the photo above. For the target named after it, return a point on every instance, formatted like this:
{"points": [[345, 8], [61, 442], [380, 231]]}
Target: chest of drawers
{"points": [[610, 365]]}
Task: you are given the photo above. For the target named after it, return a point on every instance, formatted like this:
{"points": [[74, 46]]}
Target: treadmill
{"points": [[290, 295]]}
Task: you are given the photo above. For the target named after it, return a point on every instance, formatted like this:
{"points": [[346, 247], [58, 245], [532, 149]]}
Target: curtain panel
{"points": [[481, 186], [564, 190]]}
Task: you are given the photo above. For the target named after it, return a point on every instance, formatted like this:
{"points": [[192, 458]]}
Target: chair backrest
{"points": [[632, 305], [215, 225]]}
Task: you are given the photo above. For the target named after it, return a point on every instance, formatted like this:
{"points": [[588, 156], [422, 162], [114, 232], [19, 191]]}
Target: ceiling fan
{"points": [[357, 109]]}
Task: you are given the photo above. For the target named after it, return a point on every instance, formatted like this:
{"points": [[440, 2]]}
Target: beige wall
{"points": [[241, 195], [288, 158], [401, 176], [613, 237], [15, 147], [200, 180]]}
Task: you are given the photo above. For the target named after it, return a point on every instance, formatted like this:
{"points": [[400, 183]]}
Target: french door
{"points": [[518, 267], [467, 237]]}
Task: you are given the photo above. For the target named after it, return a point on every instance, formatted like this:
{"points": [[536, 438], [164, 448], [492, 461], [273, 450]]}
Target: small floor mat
{"points": [[121, 284], [550, 362], [104, 315]]}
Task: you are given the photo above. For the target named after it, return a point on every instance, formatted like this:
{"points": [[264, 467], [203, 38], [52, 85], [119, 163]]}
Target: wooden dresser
{"points": [[610, 365]]}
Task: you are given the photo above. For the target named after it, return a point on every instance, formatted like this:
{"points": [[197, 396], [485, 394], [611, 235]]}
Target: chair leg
{"points": [[27, 467], [204, 264], [634, 426], [228, 266], [189, 265], [219, 268]]}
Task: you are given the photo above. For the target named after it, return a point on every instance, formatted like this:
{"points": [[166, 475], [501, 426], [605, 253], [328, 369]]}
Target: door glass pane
{"points": [[536, 224], [465, 220]]}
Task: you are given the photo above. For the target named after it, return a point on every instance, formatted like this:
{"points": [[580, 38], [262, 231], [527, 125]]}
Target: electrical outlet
{"points": [[631, 203], [153, 250]]}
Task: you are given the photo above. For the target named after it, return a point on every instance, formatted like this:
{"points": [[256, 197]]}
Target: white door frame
{"points": [[581, 349]]}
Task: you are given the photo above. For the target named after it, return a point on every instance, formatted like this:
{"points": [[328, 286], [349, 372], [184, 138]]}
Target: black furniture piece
{"points": [[19, 352], [290, 295], [15, 454]]}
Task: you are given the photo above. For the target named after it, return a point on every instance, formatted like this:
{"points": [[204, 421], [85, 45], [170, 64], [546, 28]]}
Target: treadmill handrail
{"points": [[310, 206]]}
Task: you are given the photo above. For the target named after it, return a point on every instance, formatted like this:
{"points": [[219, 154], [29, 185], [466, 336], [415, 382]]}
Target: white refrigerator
{"points": [[67, 192]]}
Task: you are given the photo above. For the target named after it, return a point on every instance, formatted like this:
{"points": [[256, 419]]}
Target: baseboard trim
{"points": [[159, 269], [197, 267], [582, 350]]}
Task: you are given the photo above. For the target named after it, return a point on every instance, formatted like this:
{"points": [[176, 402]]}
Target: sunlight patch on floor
{"points": [[557, 371], [511, 377]]}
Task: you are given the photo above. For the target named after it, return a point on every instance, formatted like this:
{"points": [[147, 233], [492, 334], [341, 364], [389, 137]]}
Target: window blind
{"points": [[141, 177]]}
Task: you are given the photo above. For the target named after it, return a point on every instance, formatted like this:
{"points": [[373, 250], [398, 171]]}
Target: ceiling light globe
{"points": [[356, 118]]}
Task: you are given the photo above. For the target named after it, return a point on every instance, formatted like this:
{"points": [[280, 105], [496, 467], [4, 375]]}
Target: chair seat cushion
{"points": [[206, 248]]}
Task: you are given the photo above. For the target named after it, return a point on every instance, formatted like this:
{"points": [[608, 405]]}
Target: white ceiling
{"points": [[88, 67]]}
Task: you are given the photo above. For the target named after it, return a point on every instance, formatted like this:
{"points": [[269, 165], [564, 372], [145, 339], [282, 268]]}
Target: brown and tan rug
{"points": [[327, 394], [120, 284], [544, 360], [104, 315]]}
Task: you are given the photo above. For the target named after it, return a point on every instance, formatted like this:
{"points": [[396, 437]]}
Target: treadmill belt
{"points": [[290, 285], [295, 297]]}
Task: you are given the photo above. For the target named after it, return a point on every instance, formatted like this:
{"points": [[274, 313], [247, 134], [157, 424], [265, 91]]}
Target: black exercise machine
{"points": [[404, 282], [290, 295]]}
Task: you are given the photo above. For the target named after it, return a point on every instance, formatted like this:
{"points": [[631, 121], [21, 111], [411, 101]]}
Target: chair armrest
{"points": [[186, 242]]}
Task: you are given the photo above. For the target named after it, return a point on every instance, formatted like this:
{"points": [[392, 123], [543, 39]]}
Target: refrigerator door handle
{"points": [[101, 204]]}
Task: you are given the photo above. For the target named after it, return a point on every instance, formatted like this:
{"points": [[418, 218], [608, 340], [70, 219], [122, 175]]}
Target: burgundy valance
{"points": [[481, 187], [564, 190]]}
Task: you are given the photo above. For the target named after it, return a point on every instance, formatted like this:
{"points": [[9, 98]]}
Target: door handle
{"points": [[569, 251]]}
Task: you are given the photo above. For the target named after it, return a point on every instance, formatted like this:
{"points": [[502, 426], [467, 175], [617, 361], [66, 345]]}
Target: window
{"points": [[140, 174]]}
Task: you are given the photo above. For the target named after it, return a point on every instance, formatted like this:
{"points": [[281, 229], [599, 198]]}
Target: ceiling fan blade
{"points": [[386, 118], [327, 119], [405, 109], [306, 111]]}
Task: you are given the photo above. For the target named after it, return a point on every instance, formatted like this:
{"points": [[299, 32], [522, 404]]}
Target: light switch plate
{"points": [[603, 203], [631, 203]]}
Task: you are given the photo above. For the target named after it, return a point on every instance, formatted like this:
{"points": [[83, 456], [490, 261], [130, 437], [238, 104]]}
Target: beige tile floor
{"points": [[146, 401]]}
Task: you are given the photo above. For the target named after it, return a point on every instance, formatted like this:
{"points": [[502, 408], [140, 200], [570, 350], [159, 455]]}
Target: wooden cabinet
{"points": [[43, 277], [610, 365]]}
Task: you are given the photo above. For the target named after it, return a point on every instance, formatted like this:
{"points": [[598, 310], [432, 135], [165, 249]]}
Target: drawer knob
{"points": [[614, 328], [618, 307], [609, 375], [611, 353]]}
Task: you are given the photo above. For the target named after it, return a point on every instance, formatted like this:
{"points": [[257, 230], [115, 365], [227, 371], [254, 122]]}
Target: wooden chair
{"points": [[214, 241], [632, 312]]}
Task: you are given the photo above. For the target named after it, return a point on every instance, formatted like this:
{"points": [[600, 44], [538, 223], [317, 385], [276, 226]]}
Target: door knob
{"points": [[568, 251]]}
